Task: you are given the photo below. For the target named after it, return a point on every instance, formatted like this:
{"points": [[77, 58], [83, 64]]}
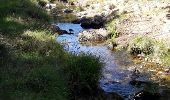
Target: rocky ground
{"points": [[142, 17], [93, 35], [148, 18]]}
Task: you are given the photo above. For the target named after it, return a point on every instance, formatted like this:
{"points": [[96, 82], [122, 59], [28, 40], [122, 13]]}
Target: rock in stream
{"points": [[93, 35]]}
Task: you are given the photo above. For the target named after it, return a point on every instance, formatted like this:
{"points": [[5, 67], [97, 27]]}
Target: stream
{"points": [[118, 67]]}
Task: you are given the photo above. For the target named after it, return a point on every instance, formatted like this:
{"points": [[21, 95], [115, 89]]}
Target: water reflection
{"points": [[118, 68]]}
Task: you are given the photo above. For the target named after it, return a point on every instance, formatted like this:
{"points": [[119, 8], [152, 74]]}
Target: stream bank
{"points": [[118, 73], [116, 77]]}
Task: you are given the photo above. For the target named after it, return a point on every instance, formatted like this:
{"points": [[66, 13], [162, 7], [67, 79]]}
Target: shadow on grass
{"points": [[20, 15], [31, 71], [32, 65], [28, 69]]}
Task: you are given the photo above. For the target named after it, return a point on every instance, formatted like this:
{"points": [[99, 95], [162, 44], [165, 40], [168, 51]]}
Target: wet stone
{"points": [[67, 10]]}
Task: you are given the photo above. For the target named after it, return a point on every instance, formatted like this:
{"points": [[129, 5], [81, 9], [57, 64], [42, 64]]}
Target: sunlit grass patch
{"points": [[157, 51], [166, 59], [111, 27], [141, 45], [23, 8], [40, 35]]}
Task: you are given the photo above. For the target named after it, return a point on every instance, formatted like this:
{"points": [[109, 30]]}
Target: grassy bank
{"points": [[32, 65], [154, 50]]}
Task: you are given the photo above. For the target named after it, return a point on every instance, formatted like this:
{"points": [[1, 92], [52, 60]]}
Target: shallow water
{"points": [[118, 68]]}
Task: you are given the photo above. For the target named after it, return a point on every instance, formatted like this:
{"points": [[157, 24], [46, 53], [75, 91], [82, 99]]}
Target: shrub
{"points": [[141, 45], [111, 27], [166, 59], [157, 51], [84, 73]]}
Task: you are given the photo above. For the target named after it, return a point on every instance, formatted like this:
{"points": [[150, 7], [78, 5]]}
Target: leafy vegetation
{"points": [[84, 73], [32, 65], [156, 50], [111, 27], [166, 59], [142, 45]]}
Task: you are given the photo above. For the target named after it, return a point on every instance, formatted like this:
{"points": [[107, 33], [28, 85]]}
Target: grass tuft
{"points": [[84, 73], [157, 51], [141, 45]]}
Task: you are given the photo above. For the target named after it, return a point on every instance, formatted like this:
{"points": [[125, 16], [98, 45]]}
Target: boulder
{"points": [[59, 31], [50, 6], [93, 35], [67, 10], [96, 16], [95, 22]]}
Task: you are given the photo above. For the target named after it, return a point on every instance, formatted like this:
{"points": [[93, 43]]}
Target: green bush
{"points": [[157, 51], [166, 59], [84, 73], [111, 27], [141, 45]]}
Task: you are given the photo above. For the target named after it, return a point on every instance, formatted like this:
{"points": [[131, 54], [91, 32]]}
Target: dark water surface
{"points": [[117, 72]]}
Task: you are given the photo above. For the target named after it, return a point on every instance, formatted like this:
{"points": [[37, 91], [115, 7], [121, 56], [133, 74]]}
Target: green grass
{"points": [[166, 59], [157, 51], [111, 27], [43, 82], [142, 45], [84, 73], [31, 71], [32, 65]]}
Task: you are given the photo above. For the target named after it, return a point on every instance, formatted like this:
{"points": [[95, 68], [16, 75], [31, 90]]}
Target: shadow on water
{"points": [[119, 70]]}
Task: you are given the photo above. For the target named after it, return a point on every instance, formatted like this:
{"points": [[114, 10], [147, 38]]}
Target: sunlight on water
{"points": [[115, 74]]}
